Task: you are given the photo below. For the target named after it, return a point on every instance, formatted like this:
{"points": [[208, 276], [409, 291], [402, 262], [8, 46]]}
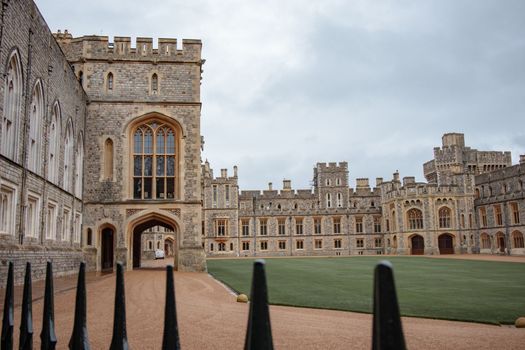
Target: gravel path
{"points": [[210, 318]]}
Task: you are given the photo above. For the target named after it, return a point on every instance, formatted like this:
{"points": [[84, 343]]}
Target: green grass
{"points": [[465, 290]]}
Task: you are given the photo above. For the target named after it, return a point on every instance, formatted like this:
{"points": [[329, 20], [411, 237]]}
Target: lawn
{"points": [[466, 290]]}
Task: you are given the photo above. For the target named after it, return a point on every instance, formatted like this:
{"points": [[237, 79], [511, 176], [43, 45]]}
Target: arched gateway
{"points": [[142, 224]]}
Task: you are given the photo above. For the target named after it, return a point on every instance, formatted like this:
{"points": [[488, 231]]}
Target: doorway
{"points": [[149, 244], [418, 245], [107, 249], [446, 244]]}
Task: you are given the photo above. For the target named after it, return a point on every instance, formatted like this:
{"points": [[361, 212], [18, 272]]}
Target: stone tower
{"points": [[143, 145]]}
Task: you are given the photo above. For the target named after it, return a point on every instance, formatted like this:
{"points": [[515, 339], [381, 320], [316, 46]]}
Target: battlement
{"points": [[100, 48], [332, 166]]}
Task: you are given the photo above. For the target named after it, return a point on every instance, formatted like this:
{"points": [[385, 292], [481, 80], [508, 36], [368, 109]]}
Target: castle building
{"points": [[100, 161], [99, 142], [446, 215]]}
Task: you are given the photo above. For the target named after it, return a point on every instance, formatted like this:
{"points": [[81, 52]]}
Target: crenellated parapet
{"points": [[94, 47]]}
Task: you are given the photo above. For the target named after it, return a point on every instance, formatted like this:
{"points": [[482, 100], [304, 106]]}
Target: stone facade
{"points": [[394, 217], [74, 106], [500, 210]]}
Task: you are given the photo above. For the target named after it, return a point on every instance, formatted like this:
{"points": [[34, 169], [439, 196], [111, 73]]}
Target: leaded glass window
{"points": [[154, 161]]}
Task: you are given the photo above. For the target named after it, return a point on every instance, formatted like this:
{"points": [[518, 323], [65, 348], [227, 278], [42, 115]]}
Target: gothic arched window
{"points": [[110, 81], [154, 161], [79, 162], [68, 156], [11, 109], [35, 127], [415, 219], [444, 217], [108, 159], [53, 148]]}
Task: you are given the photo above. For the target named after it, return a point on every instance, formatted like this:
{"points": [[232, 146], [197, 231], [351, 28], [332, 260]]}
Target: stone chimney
{"points": [[396, 176], [235, 171], [522, 158], [379, 181], [224, 173], [270, 186], [287, 185]]}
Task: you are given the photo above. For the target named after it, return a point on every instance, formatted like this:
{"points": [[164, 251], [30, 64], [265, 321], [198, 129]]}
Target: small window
{"points": [[282, 245], [264, 245], [108, 159], [245, 227], [154, 83], [318, 244], [317, 226], [110, 81], [299, 244], [337, 243], [359, 243], [245, 245]]}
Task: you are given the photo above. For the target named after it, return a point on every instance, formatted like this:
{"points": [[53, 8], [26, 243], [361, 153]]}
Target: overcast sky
{"points": [[289, 83]]}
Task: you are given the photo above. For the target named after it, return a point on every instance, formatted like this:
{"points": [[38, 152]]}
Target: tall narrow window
{"points": [[54, 146], [68, 155], [11, 110], [108, 159], [498, 215], [339, 200], [110, 81], [154, 83], [154, 159], [328, 200], [81, 78], [79, 162], [35, 127]]}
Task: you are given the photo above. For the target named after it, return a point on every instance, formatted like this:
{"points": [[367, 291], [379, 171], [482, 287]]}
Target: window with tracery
{"points": [[68, 157], [444, 217], [11, 109], [35, 127], [54, 147], [415, 219], [154, 161]]}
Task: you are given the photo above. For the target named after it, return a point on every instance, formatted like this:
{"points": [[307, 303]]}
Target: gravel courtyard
{"points": [[210, 318]]}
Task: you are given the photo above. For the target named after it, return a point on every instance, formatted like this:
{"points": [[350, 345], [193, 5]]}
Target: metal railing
{"points": [[387, 330]]}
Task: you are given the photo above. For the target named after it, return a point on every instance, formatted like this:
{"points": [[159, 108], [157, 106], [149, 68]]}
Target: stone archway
{"points": [[417, 245], [446, 243], [141, 224]]}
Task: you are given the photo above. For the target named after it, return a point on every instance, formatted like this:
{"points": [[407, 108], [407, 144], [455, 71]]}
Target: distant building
{"points": [[394, 217]]}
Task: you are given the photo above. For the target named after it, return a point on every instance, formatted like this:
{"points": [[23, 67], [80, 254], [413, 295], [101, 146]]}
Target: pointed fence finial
{"points": [[170, 339], [26, 323], [119, 340], [387, 332], [259, 332], [48, 337], [8, 321], [79, 339]]}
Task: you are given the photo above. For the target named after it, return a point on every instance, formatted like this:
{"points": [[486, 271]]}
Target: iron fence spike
{"points": [[170, 339], [48, 337], [8, 320], [79, 339], [387, 331], [119, 340], [259, 332], [26, 322]]}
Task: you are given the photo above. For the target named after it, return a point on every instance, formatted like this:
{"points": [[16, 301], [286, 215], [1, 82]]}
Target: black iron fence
{"points": [[387, 331]]}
